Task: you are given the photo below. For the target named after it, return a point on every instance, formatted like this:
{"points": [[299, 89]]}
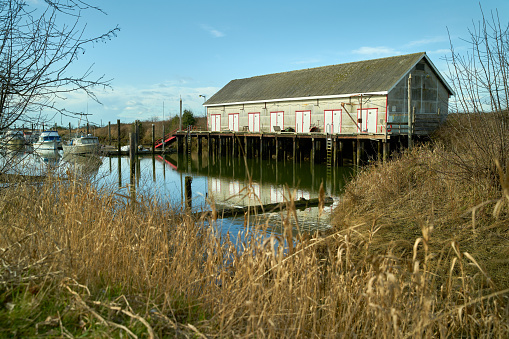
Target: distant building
{"points": [[365, 97]]}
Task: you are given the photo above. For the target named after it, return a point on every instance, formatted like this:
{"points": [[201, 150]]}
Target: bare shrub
{"points": [[479, 135]]}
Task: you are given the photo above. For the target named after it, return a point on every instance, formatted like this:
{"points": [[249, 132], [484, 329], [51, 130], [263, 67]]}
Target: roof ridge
{"points": [[333, 65]]}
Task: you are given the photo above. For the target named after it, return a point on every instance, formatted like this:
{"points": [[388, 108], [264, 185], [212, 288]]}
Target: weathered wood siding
{"points": [[338, 115], [429, 99]]}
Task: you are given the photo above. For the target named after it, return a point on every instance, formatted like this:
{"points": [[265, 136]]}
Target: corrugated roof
{"points": [[368, 76]]}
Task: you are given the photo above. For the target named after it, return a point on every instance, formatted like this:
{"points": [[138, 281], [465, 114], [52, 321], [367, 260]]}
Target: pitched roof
{"points": [[370, 76]]}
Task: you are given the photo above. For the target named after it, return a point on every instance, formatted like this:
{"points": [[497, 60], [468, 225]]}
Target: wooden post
{"points": [[118, 136], [341, 153], [233, 146], [261, 148], [358, 163], [220, 146], [153, 138], [162, 146], [335, 151], [245, 146], [277, 149], [354, 152], [410, 111], [199, 146], [119, 170], [70, 132], [137, 134], [88, 128], [185, 143], [180, 116], [109, 133], [379, 150], [153, 166], [313, 151], [189, 192], [209, 146], [132, 150], [294, 150], [385, 144]]}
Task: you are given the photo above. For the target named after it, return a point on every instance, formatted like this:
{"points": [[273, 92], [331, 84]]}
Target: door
{"points": [[367, 119], [276, 119], [302, 121], [253, 122], [233, 122], [215, 122], [371, 120], [332, 121]]}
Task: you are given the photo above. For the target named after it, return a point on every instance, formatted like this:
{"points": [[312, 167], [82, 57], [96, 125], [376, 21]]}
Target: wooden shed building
{"points": [[371, 97]]}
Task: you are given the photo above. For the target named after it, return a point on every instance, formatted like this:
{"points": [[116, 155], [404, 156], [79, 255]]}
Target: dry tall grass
{"points": [[81, 262]]}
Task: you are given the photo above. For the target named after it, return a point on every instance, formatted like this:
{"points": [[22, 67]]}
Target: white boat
{"points": [[83, 145], [48, 141], [14, 139]]}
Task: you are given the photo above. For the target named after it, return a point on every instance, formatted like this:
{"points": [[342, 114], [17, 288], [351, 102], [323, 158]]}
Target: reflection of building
{"points": [[226, 193], [234, 192]]}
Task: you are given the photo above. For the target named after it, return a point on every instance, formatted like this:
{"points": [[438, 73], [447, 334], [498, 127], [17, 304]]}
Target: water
{"points": [[219, 181]]}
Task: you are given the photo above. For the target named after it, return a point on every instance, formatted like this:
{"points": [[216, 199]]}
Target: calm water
{"points": [[219, 181]]}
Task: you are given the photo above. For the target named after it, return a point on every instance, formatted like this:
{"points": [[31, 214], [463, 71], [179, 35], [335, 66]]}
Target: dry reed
{"points": [[113, 268]]}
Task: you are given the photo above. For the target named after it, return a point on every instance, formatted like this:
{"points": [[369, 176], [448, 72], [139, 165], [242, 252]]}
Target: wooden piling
{"points": [[277, 149], [313, 151], [294, 151], [118, 136], [199, 146], [137, 134], [260, 155], [163, 142], [220, 146], [188, 192], [335, 151], [354, 152], [153, 138], [109, 133], [386, 149], [132, 152], [341, 163], [358, 160]]}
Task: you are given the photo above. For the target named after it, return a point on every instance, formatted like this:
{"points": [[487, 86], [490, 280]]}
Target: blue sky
{"points": [[171, 49]]}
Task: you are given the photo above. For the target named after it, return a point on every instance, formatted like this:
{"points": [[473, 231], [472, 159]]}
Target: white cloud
{"points": [[214, 32], [129, 103], [377, 51], [306, 61], [443, 51], [428, 41]]}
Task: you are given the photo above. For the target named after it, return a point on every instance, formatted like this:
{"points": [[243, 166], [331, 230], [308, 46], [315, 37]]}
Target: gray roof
{"points": [[368, 76]]}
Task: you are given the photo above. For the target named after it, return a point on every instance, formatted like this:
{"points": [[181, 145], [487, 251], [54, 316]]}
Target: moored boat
{"points": [[48, 141], [14, 139], [82, 145]]}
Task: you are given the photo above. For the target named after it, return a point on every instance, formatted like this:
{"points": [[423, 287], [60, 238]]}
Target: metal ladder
{"points": [[329, 156], [329, 150]]}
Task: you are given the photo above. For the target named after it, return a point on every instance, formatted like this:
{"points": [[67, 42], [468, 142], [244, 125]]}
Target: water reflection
{"points": [[219, 181], [245, 182]]}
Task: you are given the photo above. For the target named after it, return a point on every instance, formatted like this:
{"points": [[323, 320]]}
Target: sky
{"points": [[167, 50]]}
